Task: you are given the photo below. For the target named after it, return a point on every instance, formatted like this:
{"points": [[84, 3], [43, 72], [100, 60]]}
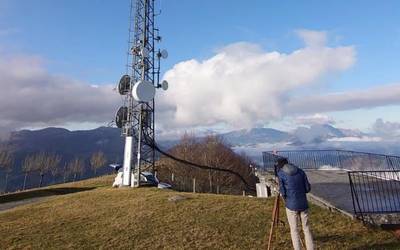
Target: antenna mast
{"points": [[136, 117]]}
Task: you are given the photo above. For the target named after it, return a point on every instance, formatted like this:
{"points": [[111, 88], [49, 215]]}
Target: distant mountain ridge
{"points": [[67, 144], [110, 141], [302, 135], [71, 143], [83, 143], [255, 135]]}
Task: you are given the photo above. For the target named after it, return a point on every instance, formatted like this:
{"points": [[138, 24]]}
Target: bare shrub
{"points": [[209, 151]]}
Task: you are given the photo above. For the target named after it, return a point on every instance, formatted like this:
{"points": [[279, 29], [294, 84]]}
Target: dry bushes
{"points": [[209, 151]]}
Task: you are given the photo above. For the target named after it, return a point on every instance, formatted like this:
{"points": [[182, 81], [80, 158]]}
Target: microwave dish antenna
{"points": [[124, 85], [143, 91], [164, 85], [164, 54], [121, 117]]}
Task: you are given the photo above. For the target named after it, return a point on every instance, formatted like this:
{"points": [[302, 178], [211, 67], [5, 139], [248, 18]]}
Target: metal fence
{"points": [[18, 182], [374, 179], [375, 192], [333, 159]]}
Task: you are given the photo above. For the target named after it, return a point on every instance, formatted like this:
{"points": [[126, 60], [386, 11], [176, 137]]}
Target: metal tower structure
{"points": [[136, 117]]}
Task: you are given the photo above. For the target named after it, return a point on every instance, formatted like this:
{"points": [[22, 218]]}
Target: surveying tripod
{"points": [[275, 221]]}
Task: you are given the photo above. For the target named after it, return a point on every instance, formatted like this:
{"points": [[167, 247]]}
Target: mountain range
{"points": [[84, 143]]}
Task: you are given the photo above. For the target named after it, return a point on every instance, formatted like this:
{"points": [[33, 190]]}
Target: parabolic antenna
{"points": [[164, 85], [121, 117], [164, 54], [143, 91], [124, 85]]}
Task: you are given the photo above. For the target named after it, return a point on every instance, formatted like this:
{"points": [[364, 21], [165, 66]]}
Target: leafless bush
{"points": [[209, 151], [97, 160], [6, 163], [76, 168], [43, 163]]}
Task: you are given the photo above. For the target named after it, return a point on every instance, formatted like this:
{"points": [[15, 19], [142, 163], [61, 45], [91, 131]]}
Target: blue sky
{"points": [[86, 40]]}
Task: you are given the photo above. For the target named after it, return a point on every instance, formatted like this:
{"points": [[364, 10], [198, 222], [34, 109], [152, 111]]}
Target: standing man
{"points": [[293, 186]]}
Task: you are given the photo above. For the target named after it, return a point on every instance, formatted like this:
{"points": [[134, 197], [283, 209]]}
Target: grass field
{"points": [[92, 215]]}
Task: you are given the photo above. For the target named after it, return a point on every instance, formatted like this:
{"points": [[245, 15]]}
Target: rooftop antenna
{"points": [[138, 87]]}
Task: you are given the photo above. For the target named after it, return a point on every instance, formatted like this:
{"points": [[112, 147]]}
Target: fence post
{"points": [[389, 163], [352, 192], [194, 185], [370, 162], [244, 193], [65, 171], [210, 180], [26, 175], [6, 183], [338, 159]]}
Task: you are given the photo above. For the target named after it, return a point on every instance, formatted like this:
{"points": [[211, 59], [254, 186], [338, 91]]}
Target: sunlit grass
{"points": [[93, 215]]}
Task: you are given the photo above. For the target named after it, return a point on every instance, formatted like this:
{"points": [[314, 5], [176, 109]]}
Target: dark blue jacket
{"points": [[293, 186]]}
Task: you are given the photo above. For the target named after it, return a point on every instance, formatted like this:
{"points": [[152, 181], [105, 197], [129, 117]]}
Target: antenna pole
{"points": [[138, 156]]}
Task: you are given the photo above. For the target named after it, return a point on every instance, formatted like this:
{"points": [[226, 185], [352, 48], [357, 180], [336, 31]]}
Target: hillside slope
{"points": [[92, 215]]}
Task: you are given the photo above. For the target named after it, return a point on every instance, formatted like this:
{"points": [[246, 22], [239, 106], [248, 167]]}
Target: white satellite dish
{"points": [[164, 85], [143, 91], [164, 54]]}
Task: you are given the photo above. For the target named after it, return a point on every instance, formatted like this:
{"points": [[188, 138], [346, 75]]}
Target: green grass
{"points": [[92, 215]]}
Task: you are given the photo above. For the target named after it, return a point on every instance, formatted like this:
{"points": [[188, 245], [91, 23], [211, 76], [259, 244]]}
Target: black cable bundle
{"points": [[247, 186]]}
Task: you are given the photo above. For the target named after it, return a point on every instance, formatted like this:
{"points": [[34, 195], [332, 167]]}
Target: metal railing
{"points": [[374, 179], [333, 159], [19, 182], [375, 192]]}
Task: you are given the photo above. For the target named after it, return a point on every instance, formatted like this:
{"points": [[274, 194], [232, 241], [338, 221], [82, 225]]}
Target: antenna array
{"points": [[136, 118]]}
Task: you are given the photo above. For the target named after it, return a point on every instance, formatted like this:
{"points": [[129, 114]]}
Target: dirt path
{"points": [[16, 199], [12, 204]]}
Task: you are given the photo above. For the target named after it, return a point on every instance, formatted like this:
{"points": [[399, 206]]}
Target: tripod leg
{"points": [[274, 221], [277, 218]]}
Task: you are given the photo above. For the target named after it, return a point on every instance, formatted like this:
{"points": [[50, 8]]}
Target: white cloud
{"points": [[243, 85], [313, 38], [368, 98], [314, 119], [32, 97], [356, 139], [386, 129]]}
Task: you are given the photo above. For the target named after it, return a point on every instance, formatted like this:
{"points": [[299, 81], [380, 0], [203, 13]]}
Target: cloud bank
{"points": [[356, 99], [314, 119], [243, 85], [386, 129], [30, 96]]}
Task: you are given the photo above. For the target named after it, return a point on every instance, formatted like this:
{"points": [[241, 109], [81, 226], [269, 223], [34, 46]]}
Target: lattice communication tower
{"points": [[136, 117]]}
